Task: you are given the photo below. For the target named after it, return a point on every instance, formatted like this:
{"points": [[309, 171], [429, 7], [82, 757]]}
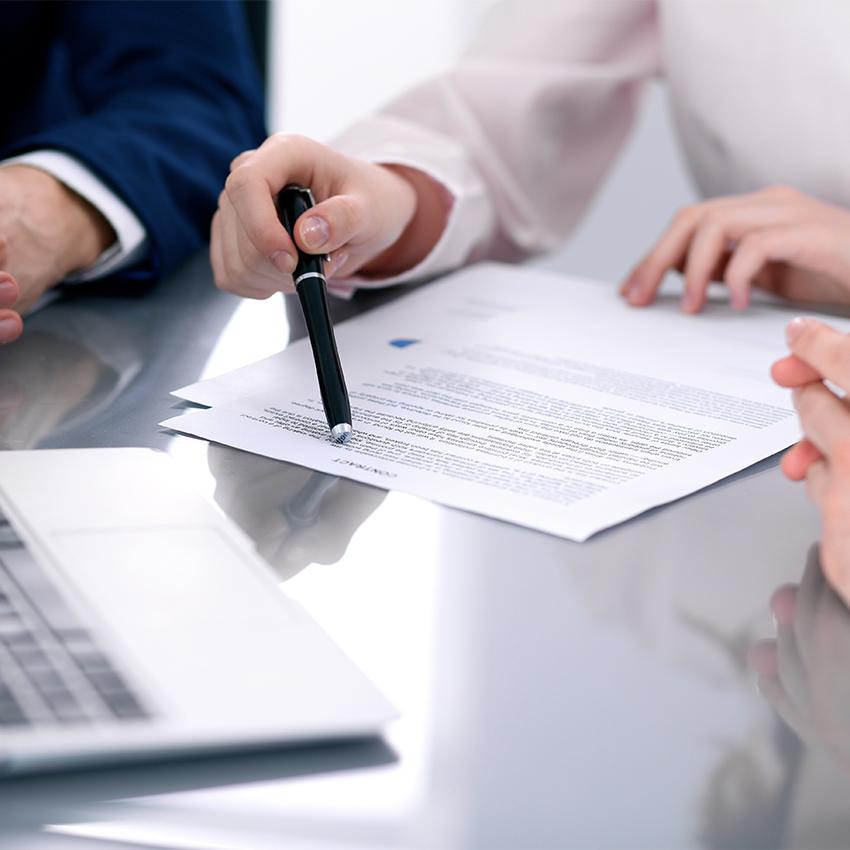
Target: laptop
{"points": [[136, 621]]}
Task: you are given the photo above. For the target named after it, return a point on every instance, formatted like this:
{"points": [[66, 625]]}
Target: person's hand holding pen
{"points": [[778, 240], [371, 219], [821, 354]]}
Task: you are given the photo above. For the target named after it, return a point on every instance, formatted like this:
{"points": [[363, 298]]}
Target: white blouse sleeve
{"points": [[523, 129]]}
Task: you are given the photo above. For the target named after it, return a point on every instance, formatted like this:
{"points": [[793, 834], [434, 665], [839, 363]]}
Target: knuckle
{"points": [[783, 191], [686, 215], [287, 141], [245, 156], [753, 244], [712, 219], [265, 242], [351, 213], [238, 179]]}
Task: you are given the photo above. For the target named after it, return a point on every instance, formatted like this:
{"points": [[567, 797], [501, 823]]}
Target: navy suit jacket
{"points": [[155, 98]]}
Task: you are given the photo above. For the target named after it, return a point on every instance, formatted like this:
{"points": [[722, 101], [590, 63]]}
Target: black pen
{"points": [[311, 286]]}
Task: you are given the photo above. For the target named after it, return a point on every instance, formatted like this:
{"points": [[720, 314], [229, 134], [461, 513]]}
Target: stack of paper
{"points": [[523, 395]]}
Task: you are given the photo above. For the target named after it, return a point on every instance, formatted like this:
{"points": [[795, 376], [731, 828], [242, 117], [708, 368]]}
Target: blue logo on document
{"points": [[403, 343]]}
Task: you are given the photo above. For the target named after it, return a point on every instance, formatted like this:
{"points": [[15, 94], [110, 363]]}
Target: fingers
{"points": [[771, 688], [709, 244], [737, 235], [755, 250], [241, 159], [697, 241], [824, 349], [669, 252], [249, 225], [252, 252], [797, 460], [248, 199], [825, 420], [811, 596], [783, 604], [817, 481], [762, 658], [237, 264], [792, 372], [332, 224], [11, 326]]}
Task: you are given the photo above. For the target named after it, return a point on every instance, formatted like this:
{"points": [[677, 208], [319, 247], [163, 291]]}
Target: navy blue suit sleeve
{"points": [[167, 95]]}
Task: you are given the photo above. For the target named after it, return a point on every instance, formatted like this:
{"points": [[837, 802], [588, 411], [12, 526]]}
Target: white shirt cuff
{"points": [[131, 237]]}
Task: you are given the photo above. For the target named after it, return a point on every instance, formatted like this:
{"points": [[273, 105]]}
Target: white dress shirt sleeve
{"points": [[131, 237], [522, 131]]}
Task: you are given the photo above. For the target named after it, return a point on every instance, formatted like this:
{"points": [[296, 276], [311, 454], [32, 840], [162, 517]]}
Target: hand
{"points": [[370, 218], [46, 232], [801, 672], [778, 240], [820, 353]]}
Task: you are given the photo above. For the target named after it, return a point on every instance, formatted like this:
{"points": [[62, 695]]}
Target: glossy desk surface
{"points": [[553, 694]]}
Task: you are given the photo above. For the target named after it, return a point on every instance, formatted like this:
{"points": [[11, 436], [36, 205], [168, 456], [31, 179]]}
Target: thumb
{"points": [[331, 224]]}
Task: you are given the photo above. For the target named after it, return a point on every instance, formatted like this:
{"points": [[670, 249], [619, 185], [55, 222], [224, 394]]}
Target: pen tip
{"points": [[341, 433]]}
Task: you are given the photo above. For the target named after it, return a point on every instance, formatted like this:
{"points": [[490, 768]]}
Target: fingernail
{"points": [[8, 292], [314, 232], [794, 328], [634, 289], [8, 330], [283, 262]]}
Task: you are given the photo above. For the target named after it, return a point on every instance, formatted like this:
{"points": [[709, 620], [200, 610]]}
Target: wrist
{"points": [[422, 232], [89, 233], [76, 230]]}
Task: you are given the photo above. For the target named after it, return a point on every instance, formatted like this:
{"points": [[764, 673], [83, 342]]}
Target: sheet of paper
{"points": [[526, 396]]}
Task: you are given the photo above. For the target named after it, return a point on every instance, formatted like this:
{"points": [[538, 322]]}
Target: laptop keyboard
{"points": [[52, 670]]}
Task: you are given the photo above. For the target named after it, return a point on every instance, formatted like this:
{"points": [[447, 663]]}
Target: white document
{"points": [[530, 397]]}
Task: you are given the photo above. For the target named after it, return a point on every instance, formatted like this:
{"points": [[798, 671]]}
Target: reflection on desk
{"points": [[552, 694], [94, 367], [805, 675], [295, 516], [29, 804], [67, 368]]}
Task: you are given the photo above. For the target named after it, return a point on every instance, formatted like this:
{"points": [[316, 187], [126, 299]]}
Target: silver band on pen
{"points": [[309, 274]]}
